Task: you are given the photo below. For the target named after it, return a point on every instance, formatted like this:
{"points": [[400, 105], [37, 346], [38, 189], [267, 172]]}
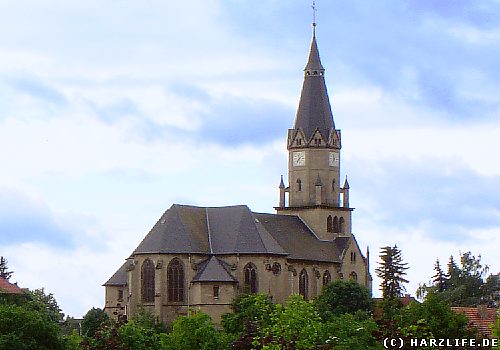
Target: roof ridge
{"points": [[208, 232]]}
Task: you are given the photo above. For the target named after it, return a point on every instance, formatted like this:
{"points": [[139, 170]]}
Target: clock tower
{"points": [[315, 192]]}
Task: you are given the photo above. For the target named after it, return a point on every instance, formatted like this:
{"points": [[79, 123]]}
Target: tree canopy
{"points": [[464, 284], [340, 297]]}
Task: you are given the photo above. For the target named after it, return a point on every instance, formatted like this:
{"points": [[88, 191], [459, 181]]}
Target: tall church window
{"points": [[175, 281], [327, 278], [148, 281], [303, 283], [353, 276], [329, 224], [250, 272], [336, 224], [299, 185], [341, 225]]}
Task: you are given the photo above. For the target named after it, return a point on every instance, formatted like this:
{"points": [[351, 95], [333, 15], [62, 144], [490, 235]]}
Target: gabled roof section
{"points": [[119, 278], [314, 111], [235, 230], [213, 270], [9, 288], [296, 238], [181, 229]]}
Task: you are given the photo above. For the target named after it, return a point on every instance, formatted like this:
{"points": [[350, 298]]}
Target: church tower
{"points": [[315, 193]]}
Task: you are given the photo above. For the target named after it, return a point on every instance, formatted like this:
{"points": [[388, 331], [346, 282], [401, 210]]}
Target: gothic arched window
{"points": [[148, 281], [336, 224], [353, 276], [299, 185], [250, 272], [175, 281], [327, 278], [329, 224], [303, 283], [341, 225]]}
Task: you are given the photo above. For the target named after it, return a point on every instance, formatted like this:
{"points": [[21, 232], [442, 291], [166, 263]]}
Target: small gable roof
{"points": [[213, 270], [120, 276]]}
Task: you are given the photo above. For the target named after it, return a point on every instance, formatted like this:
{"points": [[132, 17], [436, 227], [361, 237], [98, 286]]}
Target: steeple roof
{"points": [[314, 111], [314, 61]]}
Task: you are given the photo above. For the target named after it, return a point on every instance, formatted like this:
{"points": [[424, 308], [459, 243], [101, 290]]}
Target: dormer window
{"points": [[299, 142]]}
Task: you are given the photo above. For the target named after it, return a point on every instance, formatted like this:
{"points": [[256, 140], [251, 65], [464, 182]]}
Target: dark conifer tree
{"points": [[392, 271], [439, 279], [4, 269], [453, 274]]}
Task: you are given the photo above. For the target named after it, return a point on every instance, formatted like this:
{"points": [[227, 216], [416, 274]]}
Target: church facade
{"points": [[202, 258]]}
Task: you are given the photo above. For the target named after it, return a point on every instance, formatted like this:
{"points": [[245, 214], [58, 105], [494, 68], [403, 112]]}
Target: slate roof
{"points": [[297, 239], [120, 277], [231, 230], [314, 111], [236, 230], [214, 230], [8, 288], [213, 270]]}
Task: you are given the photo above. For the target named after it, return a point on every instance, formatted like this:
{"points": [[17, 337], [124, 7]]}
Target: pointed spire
{"points": [[314, 62], [346, 183], [282, 183], [314, 112]]}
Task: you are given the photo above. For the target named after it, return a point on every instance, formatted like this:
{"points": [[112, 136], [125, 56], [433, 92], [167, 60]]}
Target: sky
{"points": [[112, 111]]}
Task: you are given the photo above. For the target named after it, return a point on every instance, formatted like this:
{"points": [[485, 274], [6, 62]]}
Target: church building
{"points": [[202, 258]]}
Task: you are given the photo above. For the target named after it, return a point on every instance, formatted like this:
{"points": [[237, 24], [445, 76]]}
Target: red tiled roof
{"points": [[9, 288], [480, 317]]}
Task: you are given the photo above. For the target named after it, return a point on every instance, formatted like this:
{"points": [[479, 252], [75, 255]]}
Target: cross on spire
{"points": [[314, 13]]}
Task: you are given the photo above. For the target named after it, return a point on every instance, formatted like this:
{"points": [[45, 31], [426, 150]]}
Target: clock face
{"points": [[299, 158], [333, 159]]}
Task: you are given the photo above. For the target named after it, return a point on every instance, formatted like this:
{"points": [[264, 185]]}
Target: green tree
{"points": [[346, 332], [4, 269], [496, 330], [46, 303], [392, 271], [137, 336], [25, 329], [93, 321], [296, 324], [142, 332], [106, 337], [433, 319], [439, 279], [466, 284], [249, 310], [194, 332], [342, 297]]}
